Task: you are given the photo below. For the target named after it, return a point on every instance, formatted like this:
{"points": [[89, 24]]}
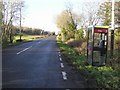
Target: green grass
{"points": [[105, 76], [28, 37], [25, 38], [71, 53]]}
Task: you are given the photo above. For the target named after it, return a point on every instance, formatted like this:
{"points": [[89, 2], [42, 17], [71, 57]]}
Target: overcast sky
{"points": [[42, 13]]}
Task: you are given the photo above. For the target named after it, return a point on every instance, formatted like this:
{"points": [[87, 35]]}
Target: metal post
{"points": [[112, 31]]}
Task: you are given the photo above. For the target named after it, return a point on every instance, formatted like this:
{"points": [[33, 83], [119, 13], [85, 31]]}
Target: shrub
{"points": [[79, 34]]}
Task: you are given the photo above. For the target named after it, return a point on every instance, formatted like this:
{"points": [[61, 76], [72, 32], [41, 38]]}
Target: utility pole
{"points": [[112, 29], [20, 25]]}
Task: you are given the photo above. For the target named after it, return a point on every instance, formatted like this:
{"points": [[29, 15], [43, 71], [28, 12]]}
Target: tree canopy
{"points": [[67, 21]]}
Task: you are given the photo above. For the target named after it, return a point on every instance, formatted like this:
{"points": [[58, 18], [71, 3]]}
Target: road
{"points": [[37, 64]]}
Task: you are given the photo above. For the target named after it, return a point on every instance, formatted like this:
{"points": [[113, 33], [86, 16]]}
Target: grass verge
{"points": [[25, 38], [105, 76]]}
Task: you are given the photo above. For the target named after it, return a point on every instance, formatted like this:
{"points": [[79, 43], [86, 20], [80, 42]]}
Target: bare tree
{"points": [[1, 18], [20, 10], [10, 14], [89, 14]]}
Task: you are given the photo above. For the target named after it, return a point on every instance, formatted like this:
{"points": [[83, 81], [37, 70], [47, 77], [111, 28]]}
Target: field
{"points": [[25, 38], [28, 37]]}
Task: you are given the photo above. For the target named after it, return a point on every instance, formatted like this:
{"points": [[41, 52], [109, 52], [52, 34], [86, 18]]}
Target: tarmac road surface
{"points": [[37, 64]]}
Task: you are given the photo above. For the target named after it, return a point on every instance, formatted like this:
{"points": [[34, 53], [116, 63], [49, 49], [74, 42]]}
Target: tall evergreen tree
{"points": [[104, 12]]}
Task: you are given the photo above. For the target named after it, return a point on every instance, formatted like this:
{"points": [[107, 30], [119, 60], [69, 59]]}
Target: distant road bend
{"points": [[37, 64]]}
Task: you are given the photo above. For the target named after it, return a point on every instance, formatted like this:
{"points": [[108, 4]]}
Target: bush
{"points": [[59, 37], [105, 76], [79, 45], [79, 34]]}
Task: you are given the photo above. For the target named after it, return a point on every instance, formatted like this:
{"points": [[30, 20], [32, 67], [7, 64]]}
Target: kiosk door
{"points": [[100, 49]]}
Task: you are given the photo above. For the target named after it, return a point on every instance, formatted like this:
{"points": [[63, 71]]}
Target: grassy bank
{"points": [[25, 38], [28, 37], [105, 77]]}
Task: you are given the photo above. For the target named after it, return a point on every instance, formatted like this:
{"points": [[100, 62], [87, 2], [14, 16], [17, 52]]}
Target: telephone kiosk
{"points": [[97, 43]]}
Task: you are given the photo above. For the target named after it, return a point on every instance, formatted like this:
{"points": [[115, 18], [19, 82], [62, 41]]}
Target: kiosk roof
{"points": [[106, 27]]}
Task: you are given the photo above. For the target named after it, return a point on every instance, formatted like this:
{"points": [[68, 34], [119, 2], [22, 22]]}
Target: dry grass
{"points": [[79, 45]]}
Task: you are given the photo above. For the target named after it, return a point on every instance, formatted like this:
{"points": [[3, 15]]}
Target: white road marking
{"points": [[24, 50], [39, 42], [62, 66], [59, 55], [60, 59], [64, 75]]}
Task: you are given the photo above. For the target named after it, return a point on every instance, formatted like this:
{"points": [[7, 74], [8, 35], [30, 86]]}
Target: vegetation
{"points": [[67, 21], [27, 34], [105, 77], [105, 12], [79, 34], [71, 39], [11, 12], [28, 37], [73, 47]]}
